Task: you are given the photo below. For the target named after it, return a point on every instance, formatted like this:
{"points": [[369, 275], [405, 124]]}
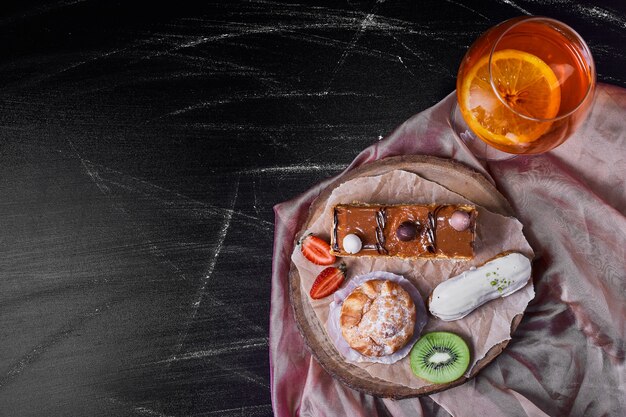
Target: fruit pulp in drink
{"points": [[515, 123]]}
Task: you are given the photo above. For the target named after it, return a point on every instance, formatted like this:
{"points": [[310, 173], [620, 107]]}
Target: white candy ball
{"points": [[352, 243]]}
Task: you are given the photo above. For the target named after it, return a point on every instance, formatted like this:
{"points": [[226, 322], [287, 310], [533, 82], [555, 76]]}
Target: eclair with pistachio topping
{"points": [[458, 296]]}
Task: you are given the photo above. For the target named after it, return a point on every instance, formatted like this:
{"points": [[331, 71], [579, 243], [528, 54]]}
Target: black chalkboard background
{"points": [[142, 147]]}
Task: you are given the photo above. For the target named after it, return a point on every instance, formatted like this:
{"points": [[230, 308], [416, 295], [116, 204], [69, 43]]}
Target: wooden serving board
{"points": [[448, 173]]}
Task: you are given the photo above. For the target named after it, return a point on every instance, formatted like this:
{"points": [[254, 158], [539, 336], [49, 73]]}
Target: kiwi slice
{"points": [[439, 357]]}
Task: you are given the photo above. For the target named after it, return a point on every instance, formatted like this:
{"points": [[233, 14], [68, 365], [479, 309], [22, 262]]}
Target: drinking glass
{"points": [[523, 87]]}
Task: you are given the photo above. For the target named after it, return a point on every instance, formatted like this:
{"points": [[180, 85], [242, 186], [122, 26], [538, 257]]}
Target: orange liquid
{"points": [[562, 52]]}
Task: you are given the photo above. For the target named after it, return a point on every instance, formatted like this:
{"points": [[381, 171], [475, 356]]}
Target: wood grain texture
{"points": [[142, 148]]}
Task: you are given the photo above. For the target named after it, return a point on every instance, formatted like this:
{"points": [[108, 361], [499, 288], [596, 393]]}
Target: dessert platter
{"points": [[409, 276]]}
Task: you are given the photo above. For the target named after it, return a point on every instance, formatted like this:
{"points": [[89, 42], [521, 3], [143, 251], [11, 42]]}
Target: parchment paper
{"points": [[485, 327]]}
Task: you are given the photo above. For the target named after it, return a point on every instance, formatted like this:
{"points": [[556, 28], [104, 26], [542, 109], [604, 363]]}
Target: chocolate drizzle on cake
{"points": [[431, 230], [381, 220], [335, 222]]}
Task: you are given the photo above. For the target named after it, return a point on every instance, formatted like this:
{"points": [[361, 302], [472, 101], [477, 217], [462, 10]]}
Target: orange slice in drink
{"points": [[525, 83]]}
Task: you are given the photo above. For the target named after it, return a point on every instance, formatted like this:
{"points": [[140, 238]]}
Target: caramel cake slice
{"points": [[404, 230]]}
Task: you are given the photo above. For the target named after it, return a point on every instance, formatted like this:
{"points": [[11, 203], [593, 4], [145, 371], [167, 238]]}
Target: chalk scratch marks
{"points": [[296, 169], [40, 10], [234, 347], [139, 409], [145, 411], [362, 27], [92, 174], [104, 189], [105, 186], [170, 198], [603, 15], [242, 373], [94, 57], [249, 411], [468, 8], [57, 337], [299, 22], [422, 57], [227, 214], [213, 261], [255, 203], [202, 293], [268, 95], [516, 6], [405, 66]]}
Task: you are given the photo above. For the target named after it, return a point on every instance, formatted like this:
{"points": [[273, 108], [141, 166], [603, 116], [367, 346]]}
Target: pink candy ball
{"points": [[460, 220]]}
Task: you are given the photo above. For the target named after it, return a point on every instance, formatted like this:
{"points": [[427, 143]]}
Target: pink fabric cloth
{"points": [[567, 357]]}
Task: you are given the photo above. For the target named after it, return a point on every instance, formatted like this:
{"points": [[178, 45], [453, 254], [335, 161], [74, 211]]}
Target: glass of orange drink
{"points": [[523, 88]]}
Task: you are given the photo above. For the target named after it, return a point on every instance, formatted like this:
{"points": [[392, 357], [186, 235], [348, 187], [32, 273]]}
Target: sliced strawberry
{"points": [[317, 250], [328, 281]]}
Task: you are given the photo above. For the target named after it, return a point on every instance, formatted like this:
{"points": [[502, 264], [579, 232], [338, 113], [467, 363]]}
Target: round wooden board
{"points": [[448, 173]]}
